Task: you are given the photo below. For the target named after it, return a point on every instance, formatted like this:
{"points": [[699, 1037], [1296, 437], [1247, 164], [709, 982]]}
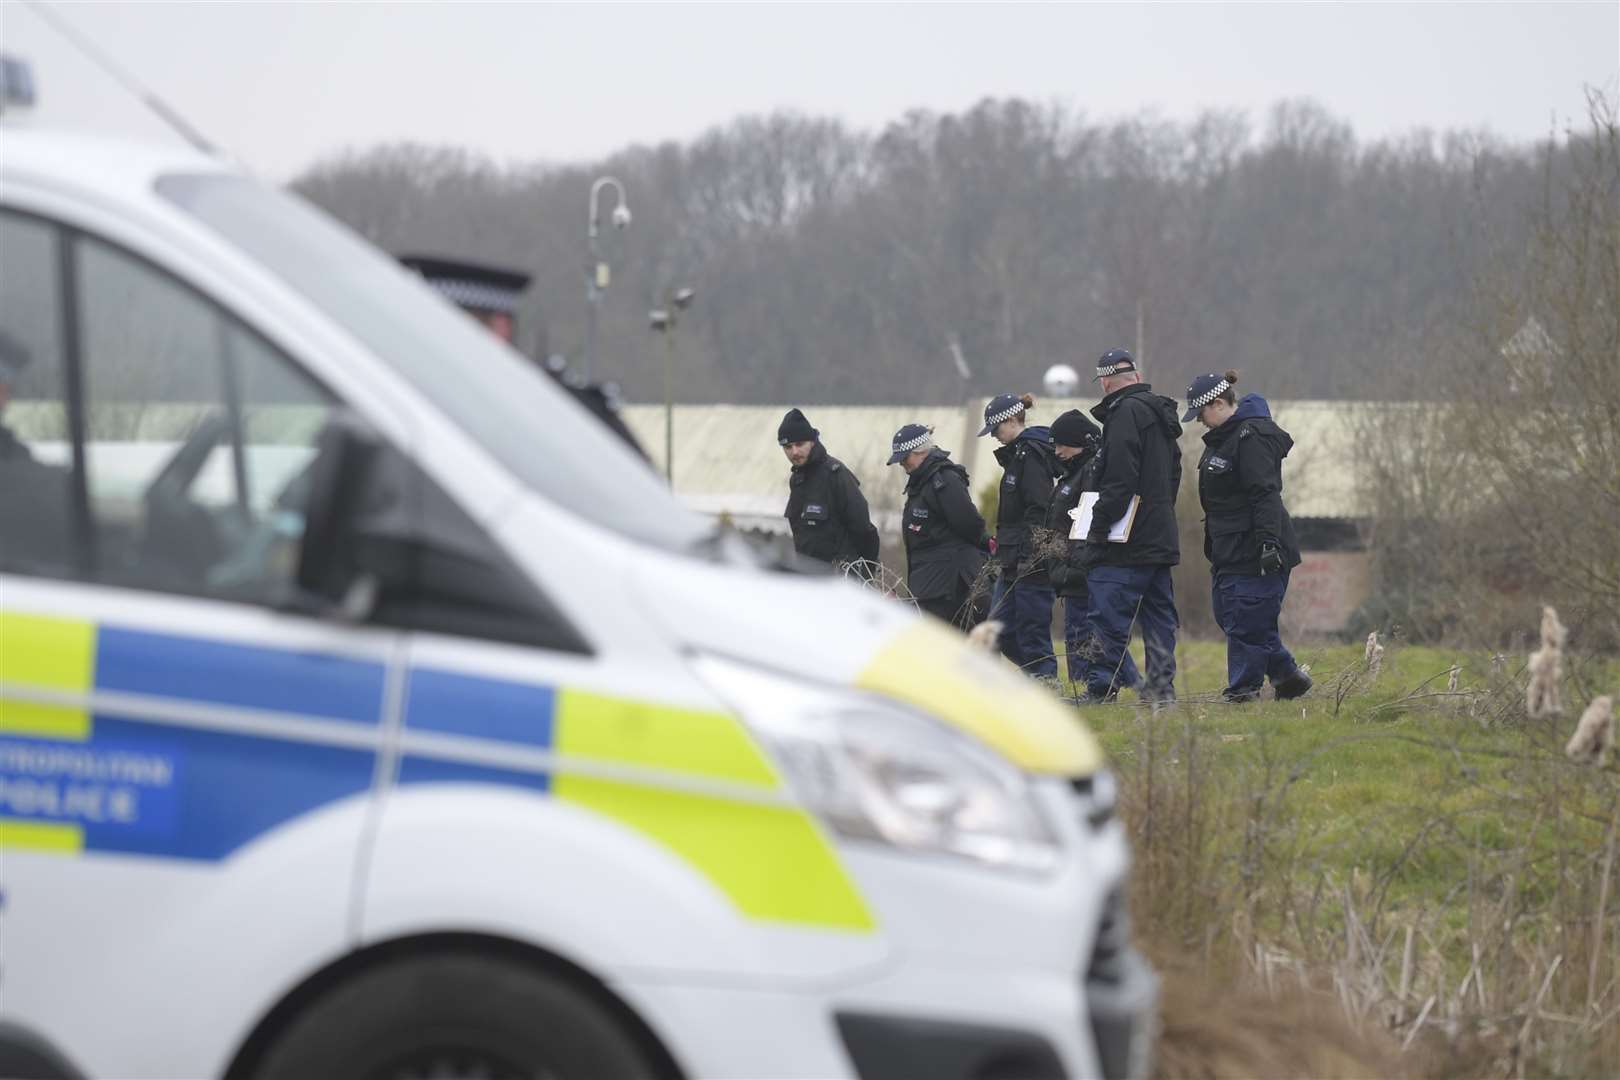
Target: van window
{"points": [[197, 434], [38, 523], [524, 421]]}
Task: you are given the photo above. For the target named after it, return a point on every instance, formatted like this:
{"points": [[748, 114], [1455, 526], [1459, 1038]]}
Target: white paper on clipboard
{"points": [[1117, 534]]}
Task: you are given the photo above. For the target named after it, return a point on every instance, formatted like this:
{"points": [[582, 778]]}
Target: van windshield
{"points": [[525, 420]]}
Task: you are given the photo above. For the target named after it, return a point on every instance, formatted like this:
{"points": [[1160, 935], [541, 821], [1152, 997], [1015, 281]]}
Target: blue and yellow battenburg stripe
{"points": [[72, 781]]}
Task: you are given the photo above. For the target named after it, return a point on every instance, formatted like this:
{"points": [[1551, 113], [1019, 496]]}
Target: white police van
{"points": [[367, 710]]}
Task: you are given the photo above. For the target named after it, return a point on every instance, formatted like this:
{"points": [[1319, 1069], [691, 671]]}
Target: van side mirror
{"points": [[331, 577]]}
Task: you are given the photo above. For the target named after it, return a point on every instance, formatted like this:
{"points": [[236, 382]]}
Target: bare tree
{"points": [[1506, 494]]}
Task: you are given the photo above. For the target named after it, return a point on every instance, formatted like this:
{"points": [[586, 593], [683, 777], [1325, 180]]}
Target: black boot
{"points": [[1296, 685]]}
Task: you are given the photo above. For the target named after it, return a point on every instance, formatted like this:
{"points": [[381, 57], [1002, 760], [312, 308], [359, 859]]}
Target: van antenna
{"points": [[122, 77]]}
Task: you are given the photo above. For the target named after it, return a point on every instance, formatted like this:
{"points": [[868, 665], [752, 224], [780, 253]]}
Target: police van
{"points": [[368, 710]]}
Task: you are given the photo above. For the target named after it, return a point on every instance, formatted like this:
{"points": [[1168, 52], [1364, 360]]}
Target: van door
{"points": [[187, 763]]}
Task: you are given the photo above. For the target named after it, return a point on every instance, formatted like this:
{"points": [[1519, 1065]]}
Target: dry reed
{"points": [[1594, 735], [1543, 694]]}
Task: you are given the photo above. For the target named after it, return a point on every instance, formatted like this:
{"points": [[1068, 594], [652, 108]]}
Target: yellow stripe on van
{"points": [[708, 744], [16, 835], [49, 654], [771, 861], [936, 670]]}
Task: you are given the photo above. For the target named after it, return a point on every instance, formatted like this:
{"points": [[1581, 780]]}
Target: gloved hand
{"points": [[1058, 575], [990, 546], [1089, 556], [1271, 560]]}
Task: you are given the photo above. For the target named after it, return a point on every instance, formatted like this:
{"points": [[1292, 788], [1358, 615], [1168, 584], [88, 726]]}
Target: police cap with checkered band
{"points": [[1202, 391], [468, 285], [909, 438], [1001, 407], [1115, 362]]}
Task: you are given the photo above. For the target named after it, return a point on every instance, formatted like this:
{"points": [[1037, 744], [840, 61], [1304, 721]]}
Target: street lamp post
{"points": [[663, 320], [597, 275]]}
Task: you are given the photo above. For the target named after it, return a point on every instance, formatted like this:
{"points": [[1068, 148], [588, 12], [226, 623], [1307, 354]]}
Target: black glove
{"points": [[1059, 576], [1089, 556], [1271, 560]]}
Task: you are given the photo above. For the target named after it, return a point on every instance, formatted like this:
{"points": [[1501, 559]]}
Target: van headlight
{"points": [[873, 769]]}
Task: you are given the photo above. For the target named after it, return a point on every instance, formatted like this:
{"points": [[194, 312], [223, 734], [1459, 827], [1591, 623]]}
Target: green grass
{"points": [[1397, 843], [1396, 781]]}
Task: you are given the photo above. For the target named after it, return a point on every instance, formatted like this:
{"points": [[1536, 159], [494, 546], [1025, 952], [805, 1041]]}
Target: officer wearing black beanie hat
{"points": [[825, 508], [1075, 440], [794, 428], [1074, 430]]}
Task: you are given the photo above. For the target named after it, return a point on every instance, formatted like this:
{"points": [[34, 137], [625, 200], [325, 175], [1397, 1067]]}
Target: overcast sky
{"points": [[281, 85]]}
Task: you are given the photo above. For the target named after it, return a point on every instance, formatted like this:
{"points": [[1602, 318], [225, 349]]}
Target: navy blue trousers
{"points": [[1027, 612], [1123, 598], [1246, 608], [1078, 644]]}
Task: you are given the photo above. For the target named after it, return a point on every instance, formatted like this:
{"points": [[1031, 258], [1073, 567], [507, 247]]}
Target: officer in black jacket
{"points": [[825, 507], [1248, 535], [1075, 440], [1022, 596], [1138, 475], [490, 295], [946, 541], [37, 520]]}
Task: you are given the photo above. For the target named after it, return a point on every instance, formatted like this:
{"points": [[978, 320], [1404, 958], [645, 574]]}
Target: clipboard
{"points": [[1118, 533]]}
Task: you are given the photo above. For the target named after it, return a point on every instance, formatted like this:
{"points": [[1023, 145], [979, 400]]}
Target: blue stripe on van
{"points": [[482, 708], [155, 789], [309, 683], [423, 770]]}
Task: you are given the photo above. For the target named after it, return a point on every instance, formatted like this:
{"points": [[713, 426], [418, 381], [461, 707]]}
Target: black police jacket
{"points": [[1068, 573], [827, 512], [1028, 466], [605, 407], [1139, 456], [37, 525], [944, 533], [1240, 489]]}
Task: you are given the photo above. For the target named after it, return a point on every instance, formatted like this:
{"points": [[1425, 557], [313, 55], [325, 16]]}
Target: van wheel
{"points": [[452, 1017]]}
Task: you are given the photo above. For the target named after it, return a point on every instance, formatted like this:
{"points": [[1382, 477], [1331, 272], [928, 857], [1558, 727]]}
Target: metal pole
{"points": [[591, 294], [669, 401], [596, 273], [1141, 355]]}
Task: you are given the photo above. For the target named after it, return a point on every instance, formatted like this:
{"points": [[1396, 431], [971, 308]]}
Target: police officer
{"points": [[1137, 474], [825, 507], [945, 538], [1075, 440], [490, 295], [1248, 535], [36, 497], [1022, 596]]}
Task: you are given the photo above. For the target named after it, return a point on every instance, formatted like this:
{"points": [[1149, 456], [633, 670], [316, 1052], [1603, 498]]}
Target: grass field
{"points": [[1427, 855], [1366, 769]]}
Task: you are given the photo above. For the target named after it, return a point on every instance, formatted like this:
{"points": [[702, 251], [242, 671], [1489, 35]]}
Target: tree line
{"points": [[835, 266]]}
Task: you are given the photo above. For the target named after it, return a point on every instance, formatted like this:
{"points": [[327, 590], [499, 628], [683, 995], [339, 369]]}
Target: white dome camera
{"points": [[1061, 381], [621, 216]]}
